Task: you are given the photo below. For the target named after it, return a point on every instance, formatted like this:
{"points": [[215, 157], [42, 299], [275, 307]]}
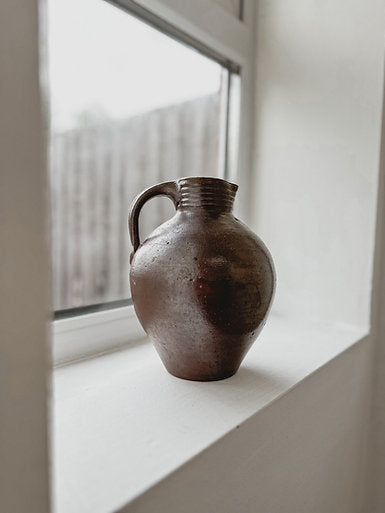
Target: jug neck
{"points": [[206, 195]]}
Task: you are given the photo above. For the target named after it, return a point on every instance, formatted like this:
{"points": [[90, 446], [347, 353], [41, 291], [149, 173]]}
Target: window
{"points": [[135, 100], [130, 107]]}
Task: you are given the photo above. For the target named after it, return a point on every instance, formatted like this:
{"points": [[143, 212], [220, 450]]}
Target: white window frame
{"points": [[213, 26]]}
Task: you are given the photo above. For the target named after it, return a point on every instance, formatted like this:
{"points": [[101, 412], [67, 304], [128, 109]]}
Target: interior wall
{"points": [[319, 102], [232, 6], [24, 477], [375, 471], [318, 111]]}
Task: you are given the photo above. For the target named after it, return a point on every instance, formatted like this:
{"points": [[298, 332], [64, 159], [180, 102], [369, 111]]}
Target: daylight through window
{"points": [[130, 107]]}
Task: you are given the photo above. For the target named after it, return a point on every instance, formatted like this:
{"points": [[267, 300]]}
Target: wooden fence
{"points": [[96, 171]]}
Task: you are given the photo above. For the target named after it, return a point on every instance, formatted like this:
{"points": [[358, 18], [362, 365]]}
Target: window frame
{"points": [[209, 26]]}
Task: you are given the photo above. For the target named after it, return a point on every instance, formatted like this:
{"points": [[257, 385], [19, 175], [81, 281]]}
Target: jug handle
{"points": [[169, 189]]}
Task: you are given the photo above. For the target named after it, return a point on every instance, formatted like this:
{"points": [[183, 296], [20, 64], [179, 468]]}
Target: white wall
{"points": [[319, 99], [375, 470], [318, 114], [232, 6], [23, 267]]}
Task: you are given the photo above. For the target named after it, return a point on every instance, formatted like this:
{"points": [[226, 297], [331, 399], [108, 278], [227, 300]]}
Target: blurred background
{"points": [[121, 121]]}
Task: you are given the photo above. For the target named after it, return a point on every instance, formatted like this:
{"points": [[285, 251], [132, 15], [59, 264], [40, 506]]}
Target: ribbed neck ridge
{"points": [[213, 195]]}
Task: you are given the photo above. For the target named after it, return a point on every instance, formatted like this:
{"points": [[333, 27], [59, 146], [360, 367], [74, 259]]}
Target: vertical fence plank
{"points": [[93, 220], [85, 213], [150, 169], [115, 211], [131, 179], [54, 159], [210, 136], [105, 268], [102, 198], [77, 214], [67, 221]]}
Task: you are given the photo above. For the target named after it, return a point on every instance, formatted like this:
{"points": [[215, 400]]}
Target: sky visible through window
{"points": [[106, 63]]}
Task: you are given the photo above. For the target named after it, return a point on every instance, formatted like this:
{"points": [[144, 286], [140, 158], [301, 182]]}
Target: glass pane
{"points": [[130, 107]]}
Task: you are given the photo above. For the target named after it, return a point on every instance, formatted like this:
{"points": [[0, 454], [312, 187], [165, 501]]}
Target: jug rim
{"points": [[205, 180]]}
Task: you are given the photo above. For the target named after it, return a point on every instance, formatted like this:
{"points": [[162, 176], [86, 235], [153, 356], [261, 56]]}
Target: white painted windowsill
{"points": [[122, 423]]}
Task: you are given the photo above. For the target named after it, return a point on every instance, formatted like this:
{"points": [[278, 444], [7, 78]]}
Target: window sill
{"points": [[122, 423], [86, 336]]}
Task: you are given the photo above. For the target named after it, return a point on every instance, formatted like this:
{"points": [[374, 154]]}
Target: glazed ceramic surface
{"points": [[202, 283]]}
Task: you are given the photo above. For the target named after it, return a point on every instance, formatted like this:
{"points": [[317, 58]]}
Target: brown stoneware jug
{"points": [[202, 283]]}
